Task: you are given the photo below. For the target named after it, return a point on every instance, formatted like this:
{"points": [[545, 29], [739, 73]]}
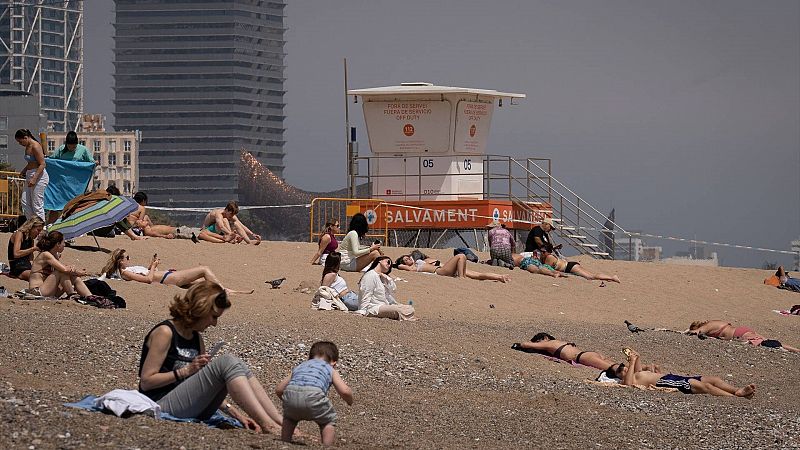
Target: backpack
{"points": [[326, 298], [96, 301], [471, 256], [102, 289]]}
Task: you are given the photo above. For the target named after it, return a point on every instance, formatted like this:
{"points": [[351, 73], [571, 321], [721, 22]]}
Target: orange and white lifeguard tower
{"points": [[429, 159]]}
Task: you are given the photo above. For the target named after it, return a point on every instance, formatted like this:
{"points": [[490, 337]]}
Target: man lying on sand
{"points": [[139, 219], [222, 225], [630, 375], [721, 329]]}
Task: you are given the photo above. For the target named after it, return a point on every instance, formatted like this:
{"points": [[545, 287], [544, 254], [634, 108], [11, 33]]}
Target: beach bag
{"points": [[326, 298], [102, 289], [96, 301]]}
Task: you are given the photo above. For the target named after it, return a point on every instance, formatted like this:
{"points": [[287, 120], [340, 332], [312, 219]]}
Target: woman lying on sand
{"points": [[49, 277], [118, 266], [531, 262], [547, 345], [454, 267], [176, 371], [631, 375], [575, 267], [724, 330]]}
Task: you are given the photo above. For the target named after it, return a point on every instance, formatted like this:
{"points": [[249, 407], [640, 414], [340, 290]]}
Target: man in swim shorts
{"points": [[699, 384]]}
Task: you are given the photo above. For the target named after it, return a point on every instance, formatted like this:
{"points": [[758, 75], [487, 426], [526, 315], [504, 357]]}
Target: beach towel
{"points": [[68, 179], [218, 420]]}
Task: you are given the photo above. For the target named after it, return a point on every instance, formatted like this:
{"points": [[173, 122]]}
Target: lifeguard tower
{"points": [[430, 168]]}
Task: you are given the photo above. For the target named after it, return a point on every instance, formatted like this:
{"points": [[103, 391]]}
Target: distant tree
{"points": [[769, 265]]}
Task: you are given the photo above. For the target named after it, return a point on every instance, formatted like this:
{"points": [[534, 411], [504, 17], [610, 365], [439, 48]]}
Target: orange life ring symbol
{"points": [[472, 130], [408, 129]]}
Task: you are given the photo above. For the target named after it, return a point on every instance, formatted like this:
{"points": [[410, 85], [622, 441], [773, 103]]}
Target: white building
{"points": [[116, 153]]}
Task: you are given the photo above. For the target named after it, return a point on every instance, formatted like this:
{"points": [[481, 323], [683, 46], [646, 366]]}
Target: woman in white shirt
{"points": [[118, 266], [354, 256], [332, 279], [377, 293]]}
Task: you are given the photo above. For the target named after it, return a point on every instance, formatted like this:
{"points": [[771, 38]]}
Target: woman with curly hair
{"points": [[49, 277], [176, 371]]}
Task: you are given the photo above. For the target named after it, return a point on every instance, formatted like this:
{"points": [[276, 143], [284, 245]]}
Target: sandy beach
{"points": [[449, 380]]}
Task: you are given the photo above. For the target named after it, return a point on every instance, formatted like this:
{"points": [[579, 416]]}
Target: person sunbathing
{"points": [[141, 220], [49, 276], [545, 344], [631, 375], [453, 267], [574, 267], [118, 267], [531, 262], [720, 329]]}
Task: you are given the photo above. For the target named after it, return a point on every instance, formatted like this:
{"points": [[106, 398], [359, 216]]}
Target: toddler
{"points": [[304, 392]]}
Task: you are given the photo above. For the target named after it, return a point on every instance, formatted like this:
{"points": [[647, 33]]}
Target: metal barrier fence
{"points": [[325, 210], [11, 188]]}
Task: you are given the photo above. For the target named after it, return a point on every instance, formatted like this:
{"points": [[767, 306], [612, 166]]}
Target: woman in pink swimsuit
{"points": [[720, 329]]}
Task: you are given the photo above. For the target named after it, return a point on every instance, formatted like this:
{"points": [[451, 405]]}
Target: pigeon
{"points": [[276, 283], [633, 328]]}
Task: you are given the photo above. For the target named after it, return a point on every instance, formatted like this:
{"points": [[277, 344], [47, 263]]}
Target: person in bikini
{"points": [[453, 267], [49, 276], [545, 344], [720, 329], [141, 220], [575, 268], [118, 266], [222, 225], [631, 375]]}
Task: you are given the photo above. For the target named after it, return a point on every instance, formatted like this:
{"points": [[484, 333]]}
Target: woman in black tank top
{"points": [[21, 248]]}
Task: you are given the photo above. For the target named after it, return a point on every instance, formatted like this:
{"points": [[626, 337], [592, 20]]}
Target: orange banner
{"points": [[456, 214]]}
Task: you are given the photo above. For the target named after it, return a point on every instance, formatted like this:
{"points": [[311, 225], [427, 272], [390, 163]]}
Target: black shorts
{"points": [[570, 265], [18, 266]]}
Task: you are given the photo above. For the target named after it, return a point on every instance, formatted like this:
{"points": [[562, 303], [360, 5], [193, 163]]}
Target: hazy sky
{"points": [[682, 115]]}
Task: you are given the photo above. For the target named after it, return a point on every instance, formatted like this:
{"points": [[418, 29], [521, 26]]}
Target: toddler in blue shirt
{"points": [[304, 392]]}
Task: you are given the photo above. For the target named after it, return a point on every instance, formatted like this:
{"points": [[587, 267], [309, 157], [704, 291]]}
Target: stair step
{"points": [[599, 253], [534, 203], [583, 244], [566, 228], [576, 236]]}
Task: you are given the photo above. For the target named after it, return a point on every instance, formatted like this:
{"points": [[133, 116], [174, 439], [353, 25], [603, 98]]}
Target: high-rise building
{"points": [[41, 53], [202, 80]]}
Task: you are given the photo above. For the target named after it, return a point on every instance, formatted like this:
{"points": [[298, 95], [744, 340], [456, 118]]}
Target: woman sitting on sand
{"points": [[332, 279], [724, 330], [354, 256], [575, 267], [49, 277], [454, 267], [21, 248], [118, 266], [176, 372], [631, 375], [547, 345], [327, 242], [377, 293]]}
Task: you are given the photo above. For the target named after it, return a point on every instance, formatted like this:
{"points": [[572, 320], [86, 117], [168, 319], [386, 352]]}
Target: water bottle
{"points": [[410, 302]]}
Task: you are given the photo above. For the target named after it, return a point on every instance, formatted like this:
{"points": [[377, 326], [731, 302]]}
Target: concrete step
{"points": [[583, 244], [576, 236], [599, 253]]}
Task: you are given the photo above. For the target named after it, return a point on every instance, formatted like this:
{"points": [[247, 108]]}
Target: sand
{"points": [[449, 380]]}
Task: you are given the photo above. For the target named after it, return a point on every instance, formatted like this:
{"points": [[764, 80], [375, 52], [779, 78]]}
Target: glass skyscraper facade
{"points": [[202, 80], [41, 53]]}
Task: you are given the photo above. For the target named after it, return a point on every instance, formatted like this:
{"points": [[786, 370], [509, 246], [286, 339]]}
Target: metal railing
{"points": [[529, 184], [11, 189], [324, 210]]}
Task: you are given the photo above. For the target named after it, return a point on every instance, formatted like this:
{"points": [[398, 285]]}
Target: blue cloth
{"points": [[792, 283], [218, 420], [314, 372], [68, 179]]}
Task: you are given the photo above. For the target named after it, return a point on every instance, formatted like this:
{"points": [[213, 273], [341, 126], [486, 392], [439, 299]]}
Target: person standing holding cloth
{"points": [[71, 150], [35, 175]]}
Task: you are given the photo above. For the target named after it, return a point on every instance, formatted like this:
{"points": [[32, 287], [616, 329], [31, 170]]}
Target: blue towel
{"points": [[68, 179], [217, 420]]}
